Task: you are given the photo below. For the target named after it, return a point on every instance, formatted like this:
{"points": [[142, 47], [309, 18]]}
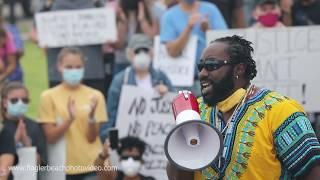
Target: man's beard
{"points": [[220, 90]]}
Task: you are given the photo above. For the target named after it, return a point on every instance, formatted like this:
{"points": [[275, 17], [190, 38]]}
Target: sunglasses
{"points": [[15, 100], [137, 158], [137, 51], [212, 64]]}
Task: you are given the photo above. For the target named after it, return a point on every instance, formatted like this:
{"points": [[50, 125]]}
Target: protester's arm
{"points": [[6, 161], [54, 132], [11, 60], [48, 118], [93, 132], [238, 15], [97, 115], [168, 35], [286, 7], [93, 125], [176, 174], [176, 46], [146, 27], [103, 161], [122, 28]]}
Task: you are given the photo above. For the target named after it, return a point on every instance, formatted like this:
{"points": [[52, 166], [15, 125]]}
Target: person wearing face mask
{"points": [[95, 74], [140, 73], [73, 111], [27, 133], [133, 16], [267, 13], [130, 151]]}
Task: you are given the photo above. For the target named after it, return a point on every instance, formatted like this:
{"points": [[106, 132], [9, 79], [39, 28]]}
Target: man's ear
{"points": [[239, 70]]}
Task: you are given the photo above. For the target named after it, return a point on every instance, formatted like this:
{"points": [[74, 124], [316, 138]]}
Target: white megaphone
{"points": [[193, 144]]}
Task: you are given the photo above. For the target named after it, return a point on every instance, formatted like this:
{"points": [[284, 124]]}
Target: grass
{"points": [[35, 75]]}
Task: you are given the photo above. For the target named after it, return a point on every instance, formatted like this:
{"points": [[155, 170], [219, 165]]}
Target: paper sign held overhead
{"points": [[180, 70], [76, 27]]}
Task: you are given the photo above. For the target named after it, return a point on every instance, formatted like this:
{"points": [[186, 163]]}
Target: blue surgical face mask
{"points": [[73, 77], [190, 1], [17, 109]]}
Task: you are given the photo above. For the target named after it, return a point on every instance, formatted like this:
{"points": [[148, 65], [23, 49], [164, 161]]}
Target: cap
{"points": [[139, 41]]}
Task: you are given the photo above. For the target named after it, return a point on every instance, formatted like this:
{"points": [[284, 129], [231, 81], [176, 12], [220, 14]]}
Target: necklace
{"points": [[243, 99], [218, 123]]}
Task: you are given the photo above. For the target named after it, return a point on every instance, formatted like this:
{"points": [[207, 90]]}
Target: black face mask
{"points": [[220, 89], [130, 5]]}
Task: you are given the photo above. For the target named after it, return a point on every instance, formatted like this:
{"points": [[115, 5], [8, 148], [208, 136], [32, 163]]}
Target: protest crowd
{"points": [[102, 86]]}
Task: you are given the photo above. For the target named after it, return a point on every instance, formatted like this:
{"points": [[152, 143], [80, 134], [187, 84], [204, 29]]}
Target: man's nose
{"points": [[203, 73]]}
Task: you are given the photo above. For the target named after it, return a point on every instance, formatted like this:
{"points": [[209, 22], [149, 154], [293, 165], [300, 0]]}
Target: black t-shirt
{"points": [[306, 15], [7, 144], [35, 133], [121, 176]]}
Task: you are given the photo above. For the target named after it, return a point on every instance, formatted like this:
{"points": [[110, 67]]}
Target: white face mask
{"points": [[130, 167], [141, 61]]}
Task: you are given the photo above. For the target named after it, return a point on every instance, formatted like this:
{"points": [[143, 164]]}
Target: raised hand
{"points": [[194, 19], [93, 106], [24, 138], [162, 89], [71, 108]]}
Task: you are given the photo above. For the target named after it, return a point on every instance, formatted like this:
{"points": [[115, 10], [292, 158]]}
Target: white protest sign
{"points": [[179, 70], [56, 154], [26, 168], [150, 118], [286, 59], [76, 27]]}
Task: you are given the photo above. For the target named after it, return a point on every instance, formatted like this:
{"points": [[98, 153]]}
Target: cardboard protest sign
{"points": [[149, 117]]}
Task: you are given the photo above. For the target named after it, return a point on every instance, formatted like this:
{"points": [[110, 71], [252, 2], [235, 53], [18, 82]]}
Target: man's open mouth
{"points": [[205, 87]]}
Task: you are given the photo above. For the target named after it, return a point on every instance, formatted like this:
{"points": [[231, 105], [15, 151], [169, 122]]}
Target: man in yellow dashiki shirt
{"points": [[266, 135]]}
